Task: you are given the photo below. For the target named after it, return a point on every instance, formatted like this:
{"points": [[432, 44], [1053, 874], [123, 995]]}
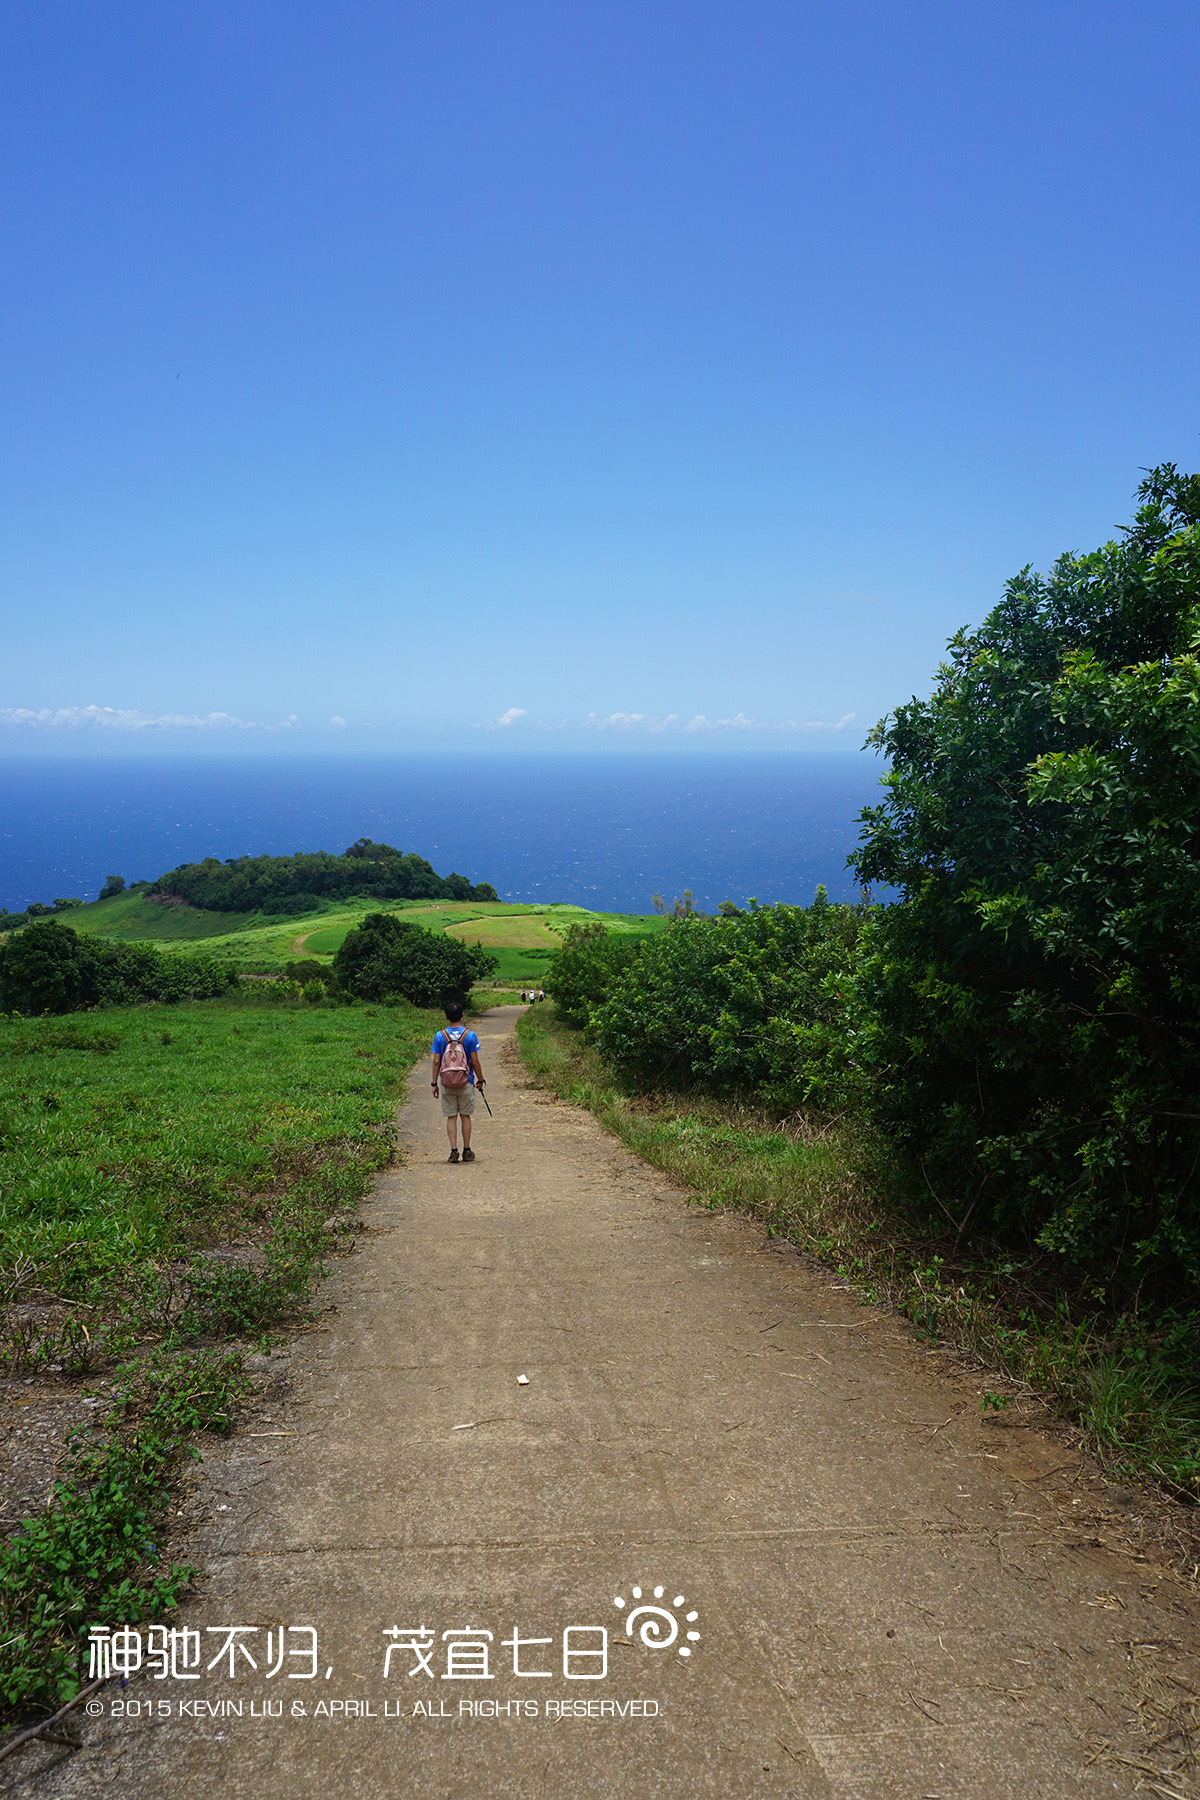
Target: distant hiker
{"points": [[524, 997], [540, 994], [456, 1073]]}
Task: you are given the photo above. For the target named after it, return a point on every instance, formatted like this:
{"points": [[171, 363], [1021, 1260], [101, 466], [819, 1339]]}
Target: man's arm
{"points": [[437, 1064], [478, 1068]]}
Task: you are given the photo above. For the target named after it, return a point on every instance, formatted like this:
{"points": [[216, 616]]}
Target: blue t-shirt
{"points": [[470, 1044]]}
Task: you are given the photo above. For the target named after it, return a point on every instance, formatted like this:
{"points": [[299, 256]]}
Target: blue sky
{"points": [[598, 374]]}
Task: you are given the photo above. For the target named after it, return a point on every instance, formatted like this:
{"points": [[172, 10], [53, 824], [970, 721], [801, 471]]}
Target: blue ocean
{"points": [[601, 832]]}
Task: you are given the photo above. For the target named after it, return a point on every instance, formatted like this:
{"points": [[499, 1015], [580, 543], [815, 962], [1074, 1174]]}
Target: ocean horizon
{"points": [[599, 832]]}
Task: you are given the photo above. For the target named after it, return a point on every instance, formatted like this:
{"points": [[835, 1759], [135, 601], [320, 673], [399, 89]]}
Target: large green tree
{"points": [[1033, 1004], [384, 959]]}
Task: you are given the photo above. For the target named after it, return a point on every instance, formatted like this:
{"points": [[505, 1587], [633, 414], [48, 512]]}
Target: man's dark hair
{"points": [[454, 1012]]}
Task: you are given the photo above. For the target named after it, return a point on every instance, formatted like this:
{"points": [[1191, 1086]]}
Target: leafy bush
{"points": [[384, 959], [1035, 998], [45, 969], [751, 1003], [583, 971], [48, 968]]}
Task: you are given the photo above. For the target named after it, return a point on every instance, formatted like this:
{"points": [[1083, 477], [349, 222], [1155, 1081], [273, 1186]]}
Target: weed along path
{"points": [[733, 1535]]}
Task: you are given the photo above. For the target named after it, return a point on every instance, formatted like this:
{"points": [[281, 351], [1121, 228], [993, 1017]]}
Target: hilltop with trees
{"points": [[298, 884]]}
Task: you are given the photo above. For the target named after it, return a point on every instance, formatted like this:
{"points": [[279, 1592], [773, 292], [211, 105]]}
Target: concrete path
{"points": [[863, 1589]]}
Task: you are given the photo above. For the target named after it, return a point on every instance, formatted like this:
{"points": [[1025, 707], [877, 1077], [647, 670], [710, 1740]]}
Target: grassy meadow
{"points": [[173, 1180], [523, 936], [131, 918], [142, 1132]]}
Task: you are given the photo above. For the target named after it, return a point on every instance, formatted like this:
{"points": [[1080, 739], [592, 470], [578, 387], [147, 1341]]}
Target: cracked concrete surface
{"points": [[894, 1597]]}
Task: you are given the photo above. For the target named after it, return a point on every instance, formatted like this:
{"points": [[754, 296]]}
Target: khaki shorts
{"points": [[457, 1100]]}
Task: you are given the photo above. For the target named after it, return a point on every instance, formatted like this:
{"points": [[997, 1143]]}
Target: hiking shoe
{"points": [[454, 1155], [468, 1156]]}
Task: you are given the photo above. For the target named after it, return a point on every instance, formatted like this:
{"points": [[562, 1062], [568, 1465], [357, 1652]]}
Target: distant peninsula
{"points": [[287, 885]]}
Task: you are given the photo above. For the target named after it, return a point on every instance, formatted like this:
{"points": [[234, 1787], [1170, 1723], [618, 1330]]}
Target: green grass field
{"points": [[140, 1132], [173, 1180], [523, 936], [172, 1183], [131, 917]]}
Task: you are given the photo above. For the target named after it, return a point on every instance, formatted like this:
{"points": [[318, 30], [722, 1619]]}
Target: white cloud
{"points": [[128, 719], [620, 721], [820, 724], [739, 722], [338, 723], [504, 721]]}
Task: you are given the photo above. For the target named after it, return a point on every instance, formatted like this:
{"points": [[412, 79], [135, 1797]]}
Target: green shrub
{"points": [[49, 968], [291, 905], [45, 969], [384, 959], [583, 971], [757, 1003]]}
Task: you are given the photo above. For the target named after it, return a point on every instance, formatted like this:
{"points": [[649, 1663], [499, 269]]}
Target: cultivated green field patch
{"points": [[519, 966], [529, 932], [497, 926]]}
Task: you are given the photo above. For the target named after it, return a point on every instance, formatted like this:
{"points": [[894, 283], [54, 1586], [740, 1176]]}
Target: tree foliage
{"points": [[48, 968], [584, 969], [1033, 1003], [750, 1003], [385, 959], [287, 884]]}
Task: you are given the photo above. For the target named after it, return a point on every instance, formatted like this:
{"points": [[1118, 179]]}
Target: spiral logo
{"points": [[659, 1627]]}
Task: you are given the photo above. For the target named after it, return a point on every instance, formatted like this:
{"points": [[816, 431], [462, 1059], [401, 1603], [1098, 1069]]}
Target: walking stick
{"points": [[484, 1098]]}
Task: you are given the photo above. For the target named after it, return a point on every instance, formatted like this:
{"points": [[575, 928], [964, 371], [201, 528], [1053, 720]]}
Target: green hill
{"points": [[132, 917], [523, 936]]}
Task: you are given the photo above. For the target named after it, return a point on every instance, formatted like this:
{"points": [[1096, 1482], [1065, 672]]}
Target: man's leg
{"points": [[452, 1130], [466, 1125]]}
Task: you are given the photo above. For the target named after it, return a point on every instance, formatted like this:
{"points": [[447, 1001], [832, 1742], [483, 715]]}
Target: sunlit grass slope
{"points": [[139, 1131], [523, 936], [133, 918]]}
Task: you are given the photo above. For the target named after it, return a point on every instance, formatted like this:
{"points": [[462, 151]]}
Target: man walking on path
{"points": [[456, 1072]]}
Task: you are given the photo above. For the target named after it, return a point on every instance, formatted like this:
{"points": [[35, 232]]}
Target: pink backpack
{"points": [[455, 1071]]}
